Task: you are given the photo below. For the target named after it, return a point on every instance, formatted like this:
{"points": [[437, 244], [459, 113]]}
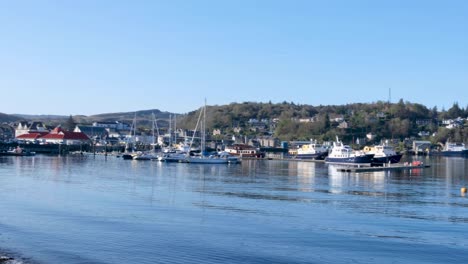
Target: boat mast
{"points": [[203, 139], [175, 128], [170, 131]]}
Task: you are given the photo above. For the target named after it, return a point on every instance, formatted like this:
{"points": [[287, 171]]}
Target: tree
{"points": [[455, 111], [70, 124]]}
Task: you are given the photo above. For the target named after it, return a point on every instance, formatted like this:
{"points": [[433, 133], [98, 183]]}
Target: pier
{"points": [[385, 168]]}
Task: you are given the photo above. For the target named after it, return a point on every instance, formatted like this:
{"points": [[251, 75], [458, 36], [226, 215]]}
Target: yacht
{"points": [[222, 157], [313, 151], [383, 154], [344, 154], [205, 158]]}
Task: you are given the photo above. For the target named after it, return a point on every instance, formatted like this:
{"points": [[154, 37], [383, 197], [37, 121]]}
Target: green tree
{"points": [[70, 124], [455, 111]]}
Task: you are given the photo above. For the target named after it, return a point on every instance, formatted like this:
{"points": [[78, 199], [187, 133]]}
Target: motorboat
{"points": [[314, 151], [383, 154], [344, 154]]}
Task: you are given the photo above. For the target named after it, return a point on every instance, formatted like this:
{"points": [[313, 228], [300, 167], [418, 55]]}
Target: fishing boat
{"points": [[454, 149], [344, 154]]}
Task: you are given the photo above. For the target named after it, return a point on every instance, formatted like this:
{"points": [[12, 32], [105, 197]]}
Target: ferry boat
{"points": [[383, 154], [313, 151], [243, 150], [344, 154]]}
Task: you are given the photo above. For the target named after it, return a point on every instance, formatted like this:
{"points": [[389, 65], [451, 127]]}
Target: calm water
{"points": [[108, 210]]}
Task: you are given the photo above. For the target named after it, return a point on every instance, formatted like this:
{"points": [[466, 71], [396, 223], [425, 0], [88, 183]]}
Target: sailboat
{"points": [[130, 142], [204, 158], [172, 153], [149, 155]]}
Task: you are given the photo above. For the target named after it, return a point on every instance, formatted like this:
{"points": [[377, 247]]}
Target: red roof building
{"points": [[56, 136], [33, 136], [60, 136]]}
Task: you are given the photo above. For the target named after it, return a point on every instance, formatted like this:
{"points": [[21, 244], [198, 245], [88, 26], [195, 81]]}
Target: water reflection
{"points": [[279, 205]]}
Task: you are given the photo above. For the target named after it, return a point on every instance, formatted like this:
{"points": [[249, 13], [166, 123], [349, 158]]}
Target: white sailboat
{"points": [[204, 158], [149, 155], [130, 142]]}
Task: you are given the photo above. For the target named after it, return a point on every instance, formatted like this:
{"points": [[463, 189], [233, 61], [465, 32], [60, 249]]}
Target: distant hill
{"points": [[289, 121], [41, 117], [144, 118], [8, 118]]}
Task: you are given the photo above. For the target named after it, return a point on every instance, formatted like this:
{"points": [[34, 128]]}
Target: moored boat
{"points": [[383, 154], [222, 157], [244, 150], [313, 151], [344, 154], [454, 149], [217, 158], [19, 152]]}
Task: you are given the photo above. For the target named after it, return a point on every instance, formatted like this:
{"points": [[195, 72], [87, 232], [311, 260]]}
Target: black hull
{"points": [[390, 159], [366, 159], [316, 156]]}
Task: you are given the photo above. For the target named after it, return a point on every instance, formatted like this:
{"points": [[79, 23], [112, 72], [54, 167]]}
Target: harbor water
{"points": [[86, 209]]}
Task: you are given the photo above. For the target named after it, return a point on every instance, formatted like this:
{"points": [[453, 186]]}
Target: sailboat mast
{"points": [[170, 131], [154, 136], [175, 128], [204, 128]]}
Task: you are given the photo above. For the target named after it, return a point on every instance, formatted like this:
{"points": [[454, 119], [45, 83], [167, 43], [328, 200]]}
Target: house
{"points": [[6, 132], [92, 131], [337, 119], [268, 142], [31, 137], [216, 132], [381, 115], [308, 119], [115, 125], [60, 136], [423, 122], [28, 127], [343, 125], [113, 133], [424, 133], [237, 130], [370, 136]]}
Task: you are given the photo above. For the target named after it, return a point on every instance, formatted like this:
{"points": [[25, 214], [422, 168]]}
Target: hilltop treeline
{"points": [[289, 121]]}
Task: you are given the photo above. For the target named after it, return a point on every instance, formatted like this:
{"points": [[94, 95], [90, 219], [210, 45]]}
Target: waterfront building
{"points": [[92, 131], [29, 127], [60, 136]]}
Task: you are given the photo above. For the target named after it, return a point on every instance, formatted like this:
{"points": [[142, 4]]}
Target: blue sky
{"points": [[91, 57]]}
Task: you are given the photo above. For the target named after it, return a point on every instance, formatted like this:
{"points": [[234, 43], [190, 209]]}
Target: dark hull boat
{"points": [[388, 159], [362, 159]]}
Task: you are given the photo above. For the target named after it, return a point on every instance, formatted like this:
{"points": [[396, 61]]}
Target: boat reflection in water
{"points": [[258, 211]]}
